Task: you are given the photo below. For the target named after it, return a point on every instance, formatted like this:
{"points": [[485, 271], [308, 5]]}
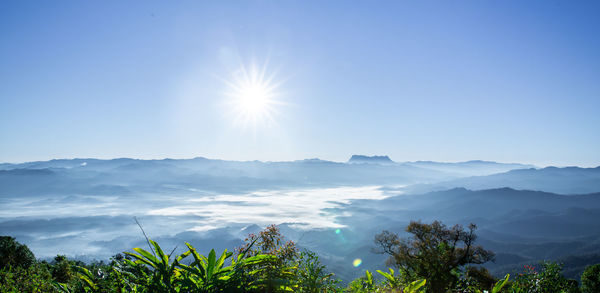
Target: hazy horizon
{"points": [[293, 160]]}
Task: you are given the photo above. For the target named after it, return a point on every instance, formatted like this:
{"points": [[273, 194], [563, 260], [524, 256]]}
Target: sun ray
{"points": [[253, 96]]}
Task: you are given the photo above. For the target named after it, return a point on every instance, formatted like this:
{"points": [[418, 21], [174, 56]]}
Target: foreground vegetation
{"points": [[435, 259]]}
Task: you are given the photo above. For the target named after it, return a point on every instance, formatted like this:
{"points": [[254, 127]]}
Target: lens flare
{"points": [[356, 263], [338, 231]]}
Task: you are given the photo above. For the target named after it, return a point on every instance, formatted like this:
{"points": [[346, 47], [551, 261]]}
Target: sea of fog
{"points": [[101, 226], [87, 208]]}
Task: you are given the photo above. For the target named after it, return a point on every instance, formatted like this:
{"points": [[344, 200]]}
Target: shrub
{"points": [[36, 278], [590, 279], [547, 279], [312, 276], [277, 272]]}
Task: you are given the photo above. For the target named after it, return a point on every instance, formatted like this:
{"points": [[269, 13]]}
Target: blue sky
{"points": [[511, 81]]}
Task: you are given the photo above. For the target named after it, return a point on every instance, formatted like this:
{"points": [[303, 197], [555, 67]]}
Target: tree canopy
{"points": [[14, 254], [434, 252]]}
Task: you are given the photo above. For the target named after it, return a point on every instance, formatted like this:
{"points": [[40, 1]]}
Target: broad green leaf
{"points": [[89, 282], [87, 276], [221, 259], [62, 287], [129, 262], [259, 259], [141, 259], [190, 269], [147, 255], [182, 256], [386, 275], [413, 287], [84, 271], [369, 276], [210, 266], [500, 284], [199, 260], [164, 258]]}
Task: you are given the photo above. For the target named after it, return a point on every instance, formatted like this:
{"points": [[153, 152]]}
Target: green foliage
{"points": [[476, 280], [481, 277], [14, 254], [500, 284], [434, 252], [275, 273], [390, 283], [36, 278], [162, 273], [61, 269], [264, 264], [590, 279], [545, 280], [87, 277], [362, 285], [312, 276], [206, 274], [415, 286], [267, 263]]}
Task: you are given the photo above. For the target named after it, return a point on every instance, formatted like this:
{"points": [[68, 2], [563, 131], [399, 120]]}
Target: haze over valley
{"points": [[85, 208]]}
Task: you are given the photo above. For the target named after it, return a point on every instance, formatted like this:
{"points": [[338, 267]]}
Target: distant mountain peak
{"points": [[361, 159]]}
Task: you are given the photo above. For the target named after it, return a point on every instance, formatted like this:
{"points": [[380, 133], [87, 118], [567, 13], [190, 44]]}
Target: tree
{"points": [[590, 279], [14, 254], [434, 252]]}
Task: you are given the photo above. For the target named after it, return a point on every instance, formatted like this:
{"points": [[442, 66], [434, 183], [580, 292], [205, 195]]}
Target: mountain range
{"points": [[85, 207]]}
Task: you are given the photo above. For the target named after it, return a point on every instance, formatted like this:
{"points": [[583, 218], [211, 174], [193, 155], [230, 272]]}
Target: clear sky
{"points": [[510, 81]]}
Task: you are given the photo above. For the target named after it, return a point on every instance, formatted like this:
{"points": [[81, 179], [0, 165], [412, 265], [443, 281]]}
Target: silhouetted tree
{"points": [[434, 252], [14, 254]]}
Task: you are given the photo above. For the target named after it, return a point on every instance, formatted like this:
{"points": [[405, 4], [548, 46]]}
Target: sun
{"points": [[253, 96]]}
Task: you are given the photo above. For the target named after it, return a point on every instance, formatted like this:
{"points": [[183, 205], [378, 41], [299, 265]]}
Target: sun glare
{"points": [[253, 96]]}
